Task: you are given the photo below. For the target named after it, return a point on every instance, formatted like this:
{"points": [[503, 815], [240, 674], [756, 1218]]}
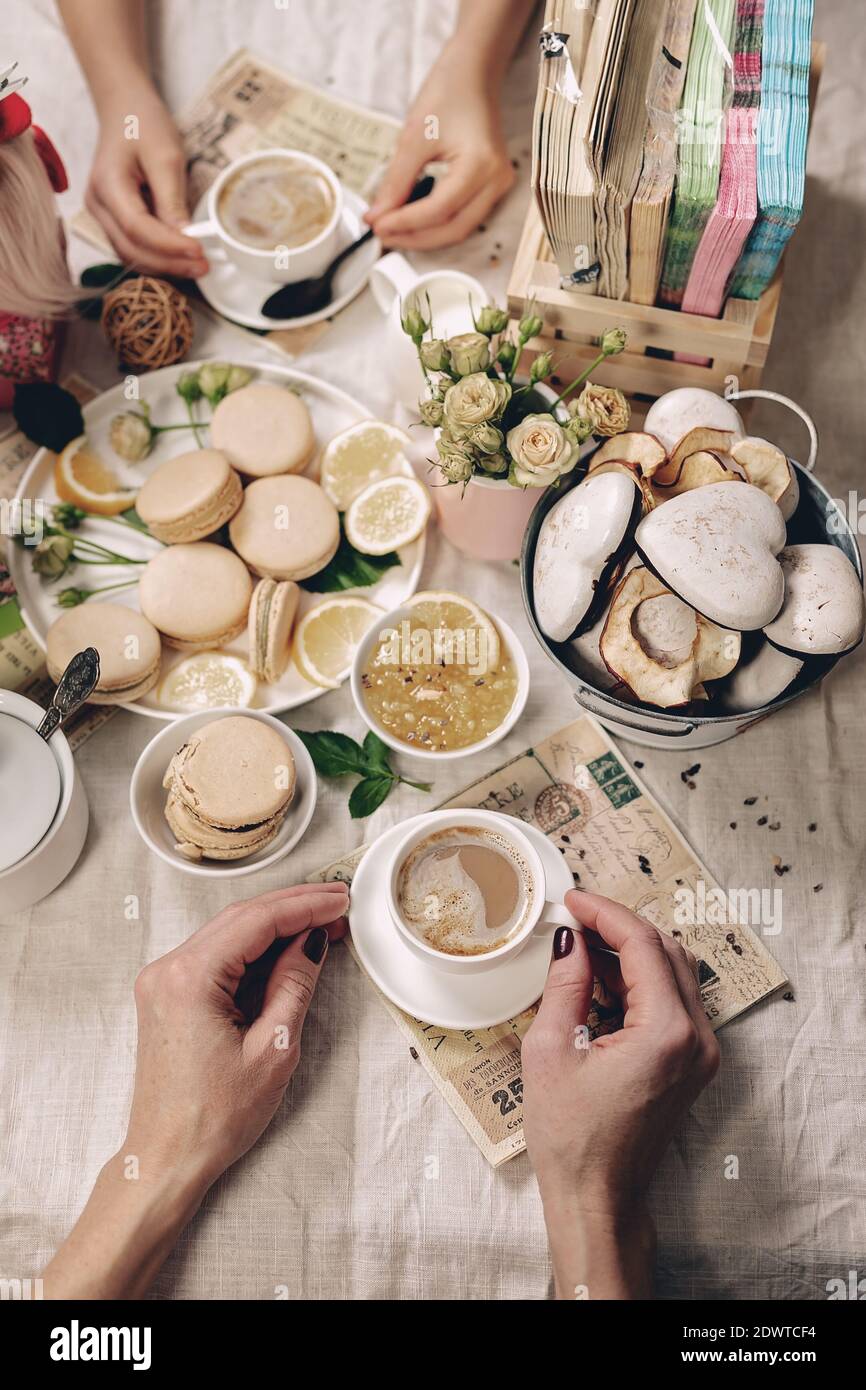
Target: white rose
{"points": [[541, 451], [472, 401]]}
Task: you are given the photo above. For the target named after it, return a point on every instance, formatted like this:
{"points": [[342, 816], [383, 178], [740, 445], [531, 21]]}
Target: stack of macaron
{"points": [[128, 646], [229, 789]]}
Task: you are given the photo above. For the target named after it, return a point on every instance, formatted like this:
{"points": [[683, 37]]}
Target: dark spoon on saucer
{"points": [[309, 296]]}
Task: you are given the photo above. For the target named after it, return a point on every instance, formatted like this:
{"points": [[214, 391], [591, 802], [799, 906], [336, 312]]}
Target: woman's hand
{"points": [[599, 1115], [219, 1036], [137, 188], [219, 1027], [454, 119]]}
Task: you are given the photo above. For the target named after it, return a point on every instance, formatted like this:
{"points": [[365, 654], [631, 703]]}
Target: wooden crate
{"points": [[736, 345]]}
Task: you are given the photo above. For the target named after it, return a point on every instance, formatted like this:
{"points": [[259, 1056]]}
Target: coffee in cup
{"points": [[273, 202], [465, 890]]}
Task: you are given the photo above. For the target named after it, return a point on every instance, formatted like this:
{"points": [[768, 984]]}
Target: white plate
{"points": [[332, 410], [447, 1000], [239, 297], [147, 798]]}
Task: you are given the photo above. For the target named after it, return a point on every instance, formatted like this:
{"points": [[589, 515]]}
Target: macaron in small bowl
{"points": [[415, 685], [148, 796]]}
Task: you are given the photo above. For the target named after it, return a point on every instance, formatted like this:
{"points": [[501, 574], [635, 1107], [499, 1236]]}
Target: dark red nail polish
{"points": [[316, 944], [563, 941]]}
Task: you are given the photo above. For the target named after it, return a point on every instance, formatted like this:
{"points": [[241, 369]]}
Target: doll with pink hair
{"points": [[35, 288]]}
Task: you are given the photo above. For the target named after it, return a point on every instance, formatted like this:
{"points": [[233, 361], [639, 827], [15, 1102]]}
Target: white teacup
{"points": [[281, 265], [542, 917], [452, 296]]}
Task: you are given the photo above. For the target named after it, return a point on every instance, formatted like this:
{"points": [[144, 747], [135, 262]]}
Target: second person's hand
{"points": [[599, 1116], [137, 188]]}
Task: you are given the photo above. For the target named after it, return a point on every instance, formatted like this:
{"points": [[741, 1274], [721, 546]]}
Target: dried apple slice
{"points": [[633, 446], [660, 647], [768, 468], [697, 470], [631, 470], [698, 439]]}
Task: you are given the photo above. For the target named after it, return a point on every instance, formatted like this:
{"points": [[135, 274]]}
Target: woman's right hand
{"points": [[599, 1115], [137, 188]]}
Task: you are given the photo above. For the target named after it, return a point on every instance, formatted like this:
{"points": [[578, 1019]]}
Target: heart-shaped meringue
{"points": [[823, 612], [716, 547]]}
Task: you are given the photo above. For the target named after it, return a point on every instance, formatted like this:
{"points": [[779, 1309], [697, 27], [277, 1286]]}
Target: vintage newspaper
{"points": [[22, 660], [578, 789], [249, 104]]}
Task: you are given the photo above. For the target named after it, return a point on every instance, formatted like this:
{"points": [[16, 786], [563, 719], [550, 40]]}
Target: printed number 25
{"points": [[504, 1100]]}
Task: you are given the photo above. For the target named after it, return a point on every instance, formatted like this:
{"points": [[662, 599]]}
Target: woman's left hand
{"points": [[454, 120]]}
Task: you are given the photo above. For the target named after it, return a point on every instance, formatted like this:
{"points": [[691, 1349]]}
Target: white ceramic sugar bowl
{"points": [[42, 866]]}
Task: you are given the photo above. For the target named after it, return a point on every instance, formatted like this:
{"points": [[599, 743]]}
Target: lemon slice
{"points": [[81, 477], [387, 514], [441, 610], [360, 455], [326, 638], [208, 680]]}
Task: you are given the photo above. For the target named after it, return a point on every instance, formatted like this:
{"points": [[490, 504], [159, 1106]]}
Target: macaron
{"points": [[272, 613], [189, 497], [229, 788], [285, 528], [197, 595], [263, 429], [128, 645]]}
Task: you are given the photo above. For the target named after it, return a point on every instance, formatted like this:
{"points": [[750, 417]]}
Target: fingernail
{"points": [[316, 944], [563, 941]]}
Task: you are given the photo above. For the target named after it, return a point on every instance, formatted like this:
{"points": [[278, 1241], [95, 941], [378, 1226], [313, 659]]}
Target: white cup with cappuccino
{"points": [[276, 215], [466, 890]]}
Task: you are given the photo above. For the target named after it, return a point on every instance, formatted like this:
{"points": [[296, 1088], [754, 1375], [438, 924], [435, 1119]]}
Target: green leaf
{"points": [[131, 515], [333, 754], [369, 793], [377, 753], [96, 277], [349, 569], [47, 414], [100, 277]]}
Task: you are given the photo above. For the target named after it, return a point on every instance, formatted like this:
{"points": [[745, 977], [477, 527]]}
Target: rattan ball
{"points": [[148, 323]]}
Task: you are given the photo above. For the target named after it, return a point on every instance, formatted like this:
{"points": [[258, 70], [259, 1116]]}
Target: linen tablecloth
{"points": [[337, 1200]]}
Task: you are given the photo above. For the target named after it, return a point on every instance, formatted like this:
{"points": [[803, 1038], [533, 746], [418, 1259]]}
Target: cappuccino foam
{"points": [[275, 202], [465, 890]]}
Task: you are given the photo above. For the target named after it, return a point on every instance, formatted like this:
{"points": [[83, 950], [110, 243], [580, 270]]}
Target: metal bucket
{"points": [[817, 519]]}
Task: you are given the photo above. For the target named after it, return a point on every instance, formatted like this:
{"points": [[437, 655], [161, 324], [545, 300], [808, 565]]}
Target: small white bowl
{"points": [[48, 863], [147, 797], [394, 619]]}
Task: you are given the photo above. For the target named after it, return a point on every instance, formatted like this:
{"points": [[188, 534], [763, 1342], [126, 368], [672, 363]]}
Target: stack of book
{"points": [[669, 145]]}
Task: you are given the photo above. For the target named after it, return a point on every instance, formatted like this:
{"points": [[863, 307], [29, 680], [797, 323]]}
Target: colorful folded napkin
{"points": [[736, 208], [701, 126], [783, 127]]}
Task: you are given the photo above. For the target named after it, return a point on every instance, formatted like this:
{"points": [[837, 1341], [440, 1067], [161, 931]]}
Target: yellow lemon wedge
{"points": [[387, 514], [327, 637], [208, 680], [459, 616], [81, 477], [360, 455]]}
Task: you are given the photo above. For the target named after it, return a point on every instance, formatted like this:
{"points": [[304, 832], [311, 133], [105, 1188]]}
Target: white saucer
{"points": [[461, 1002], [238, 297]]}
